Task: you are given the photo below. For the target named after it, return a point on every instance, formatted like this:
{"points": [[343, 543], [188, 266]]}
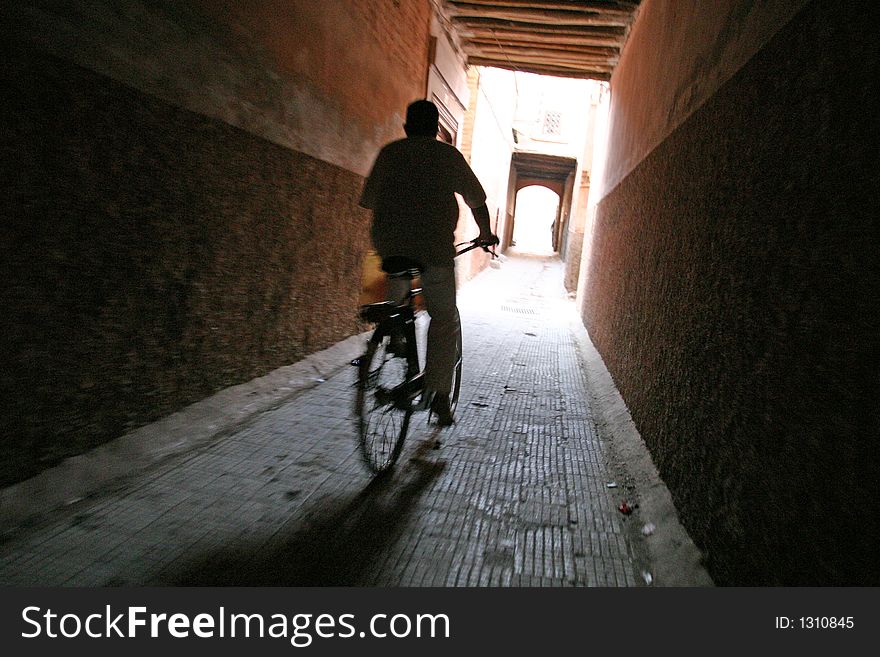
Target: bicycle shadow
{"points": [[329, 548]]}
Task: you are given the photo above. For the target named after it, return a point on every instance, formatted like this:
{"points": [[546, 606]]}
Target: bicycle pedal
{"points": [[404, 400], [384, 396]]}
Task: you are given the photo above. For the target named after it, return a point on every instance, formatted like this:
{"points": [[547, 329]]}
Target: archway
{"points": [[537, 207], [553, 172]]}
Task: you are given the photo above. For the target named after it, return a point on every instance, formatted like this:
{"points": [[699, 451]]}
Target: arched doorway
{"points": [[550, 171], [537, 208]]}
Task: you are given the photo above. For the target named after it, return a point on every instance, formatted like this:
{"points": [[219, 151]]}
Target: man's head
{"points": [[422, 119]]}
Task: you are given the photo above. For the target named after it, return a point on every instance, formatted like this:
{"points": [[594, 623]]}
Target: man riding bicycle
{"points": [[411, 191]]}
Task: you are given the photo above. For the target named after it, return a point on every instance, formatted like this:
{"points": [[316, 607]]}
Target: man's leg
{"points": [[396, 290], [438, 284]]}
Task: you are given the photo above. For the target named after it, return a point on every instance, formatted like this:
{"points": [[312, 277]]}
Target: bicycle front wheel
{"points": [[383, 417]]}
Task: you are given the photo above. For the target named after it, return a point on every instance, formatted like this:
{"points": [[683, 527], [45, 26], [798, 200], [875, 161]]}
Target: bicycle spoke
{"points": [[382, 424]]}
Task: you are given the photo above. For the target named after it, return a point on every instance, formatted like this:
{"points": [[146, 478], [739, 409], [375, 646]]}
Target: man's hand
{"points": [[488, 239]]}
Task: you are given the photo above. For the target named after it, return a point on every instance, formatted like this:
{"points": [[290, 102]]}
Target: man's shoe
{"points": [[440, 407]]}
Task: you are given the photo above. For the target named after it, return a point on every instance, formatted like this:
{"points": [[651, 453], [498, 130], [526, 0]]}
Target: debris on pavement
{"points": [[611, 484], [648, 529], [648, 577], [625, 508]]}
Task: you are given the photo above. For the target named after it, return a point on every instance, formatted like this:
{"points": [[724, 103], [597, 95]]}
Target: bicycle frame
{"points": [[388, 314], [384, 405], [401, 317]]}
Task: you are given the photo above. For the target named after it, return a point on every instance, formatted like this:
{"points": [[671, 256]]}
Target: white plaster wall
{"points": [[447, 79], [570, 97], [449, 63], [493, 140], [597, 172]]}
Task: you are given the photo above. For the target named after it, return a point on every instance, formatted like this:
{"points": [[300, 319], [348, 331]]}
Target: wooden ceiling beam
{"points": [[544, 57], [537, 47], [619, 10], [562, 72], [627, 6], [467, 24], [568, 38], [523, 64], [539, 16], [524, 38], [541, 165]]}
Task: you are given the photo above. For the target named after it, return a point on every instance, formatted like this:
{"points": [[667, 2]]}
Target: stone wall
{"points": [[180, 211], [732, 292]]}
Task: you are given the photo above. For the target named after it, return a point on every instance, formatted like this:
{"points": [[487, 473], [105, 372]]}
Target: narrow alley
{"points": [[694, 338], [515, 494]]}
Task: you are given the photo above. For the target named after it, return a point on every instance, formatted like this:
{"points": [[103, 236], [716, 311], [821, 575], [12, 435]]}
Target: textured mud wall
{"points": [[180, 202], [732, 292], [678, 54], [329, 78]]}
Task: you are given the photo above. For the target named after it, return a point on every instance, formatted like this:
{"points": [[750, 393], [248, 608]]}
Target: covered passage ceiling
{"points": [[539, 166], [567, 38]]}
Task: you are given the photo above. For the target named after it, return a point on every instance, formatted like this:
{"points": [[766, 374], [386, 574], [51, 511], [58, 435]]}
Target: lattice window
{"points": [[553, 123]]}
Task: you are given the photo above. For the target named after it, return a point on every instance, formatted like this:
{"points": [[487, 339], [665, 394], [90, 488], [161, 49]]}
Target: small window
{"points": [[553, 123]]}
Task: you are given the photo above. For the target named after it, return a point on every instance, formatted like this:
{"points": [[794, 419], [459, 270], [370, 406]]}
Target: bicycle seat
{"points": [[401, 266], [378, 312]]}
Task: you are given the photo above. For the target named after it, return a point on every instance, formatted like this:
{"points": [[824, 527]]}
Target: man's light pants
{"points": [[438, 289]]}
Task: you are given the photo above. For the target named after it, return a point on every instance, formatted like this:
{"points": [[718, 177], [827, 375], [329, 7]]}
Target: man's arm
{"points": [[373, 184], [481, 215], [474, 195]]}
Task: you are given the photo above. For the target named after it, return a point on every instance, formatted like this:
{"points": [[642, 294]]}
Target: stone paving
{"points": [[515, 494]]}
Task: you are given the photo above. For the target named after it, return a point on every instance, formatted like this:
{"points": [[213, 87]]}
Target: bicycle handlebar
{"points": [[477, 243]]}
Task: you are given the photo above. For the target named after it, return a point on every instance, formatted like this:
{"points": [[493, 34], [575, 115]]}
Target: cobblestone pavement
{"points": [[513, 495]]}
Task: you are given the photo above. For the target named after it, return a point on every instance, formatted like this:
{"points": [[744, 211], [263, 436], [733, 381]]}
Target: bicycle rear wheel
{"points": [[382, 423]]}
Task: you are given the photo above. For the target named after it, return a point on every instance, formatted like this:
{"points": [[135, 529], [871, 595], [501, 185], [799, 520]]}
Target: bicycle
{"points": [[390, 379]]}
